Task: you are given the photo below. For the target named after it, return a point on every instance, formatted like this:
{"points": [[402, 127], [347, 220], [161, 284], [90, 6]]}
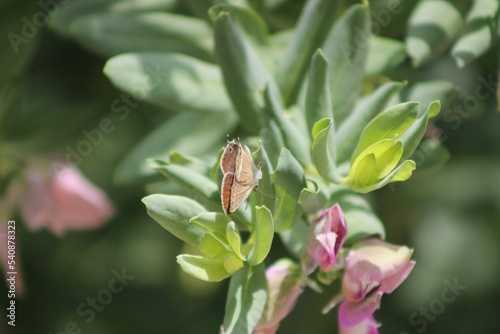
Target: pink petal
{"points": [[80, 204], [37, 207], [284, 286], [392, 282], [353, 313], [325, 237], [372, 261], [368, 326]]}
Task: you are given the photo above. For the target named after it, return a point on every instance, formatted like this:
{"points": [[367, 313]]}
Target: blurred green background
{"points": [[451, 217]]}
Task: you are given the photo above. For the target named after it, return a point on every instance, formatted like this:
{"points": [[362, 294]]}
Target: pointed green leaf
{"points": [[350, 130], [433, 25], [346, 48], [412, 137], [318, 100], [174, 213], [169, 80], [203, 268], [246, 300], [323, 150], [265, 192], [187, 132], [313, 198], [234, 239], [309, 34], [289, 181], [360, 218], [202, 189], [214, 222], [243, 71], [392, 123], [297, 144], [384, 53], [262, 235], [112, 33]]}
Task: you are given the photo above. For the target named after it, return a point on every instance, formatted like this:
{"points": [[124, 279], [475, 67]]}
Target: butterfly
{"points": [[240, 175]]}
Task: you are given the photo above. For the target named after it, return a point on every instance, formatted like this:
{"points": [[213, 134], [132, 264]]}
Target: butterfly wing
{"points": [[228, 158], [239, 193], [225, 193], [246, 172]]}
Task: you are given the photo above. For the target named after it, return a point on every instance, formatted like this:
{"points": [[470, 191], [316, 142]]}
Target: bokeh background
{"points": [[450, 216]]}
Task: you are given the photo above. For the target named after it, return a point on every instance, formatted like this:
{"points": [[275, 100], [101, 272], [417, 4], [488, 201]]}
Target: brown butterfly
{"points": [[241, 176]]}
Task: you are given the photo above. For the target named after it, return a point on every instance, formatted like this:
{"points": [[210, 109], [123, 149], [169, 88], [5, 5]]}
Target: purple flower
{"points": [[372, 268], [284, 282], [325, 237]]}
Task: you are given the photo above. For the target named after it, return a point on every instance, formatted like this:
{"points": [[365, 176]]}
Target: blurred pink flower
{"points": [[325, 237], [62, 200], [372, 268], [284, 281]]}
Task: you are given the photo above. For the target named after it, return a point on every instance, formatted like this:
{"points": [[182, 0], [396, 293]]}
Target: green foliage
{"points": [[331, 107]]}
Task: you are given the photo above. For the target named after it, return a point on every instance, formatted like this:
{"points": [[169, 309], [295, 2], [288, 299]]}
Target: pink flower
{"points": [[367, 326], [325, 237], [284, 281], [62, 200], [372, 268]]}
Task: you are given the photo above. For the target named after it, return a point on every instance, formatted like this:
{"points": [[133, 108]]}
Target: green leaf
{"points": [[318, 101], [426, 92], [187, 132], [392, 123], [213, 247], [262, 235], [310, 32], [294, 239], [202, 189], [346, 48], [313, 198], [384, 53], [265, 193], [203, 268], [272, 139], [297, 144], [64, 15], [112, 33], [234, 239], [360, 219], [412, 137], [243, 71], [323, 150], [214, 222], [433, 25], [350, 130], [479, 34], [246, 300], [289, 181], [174, 213], [169, 80]]}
